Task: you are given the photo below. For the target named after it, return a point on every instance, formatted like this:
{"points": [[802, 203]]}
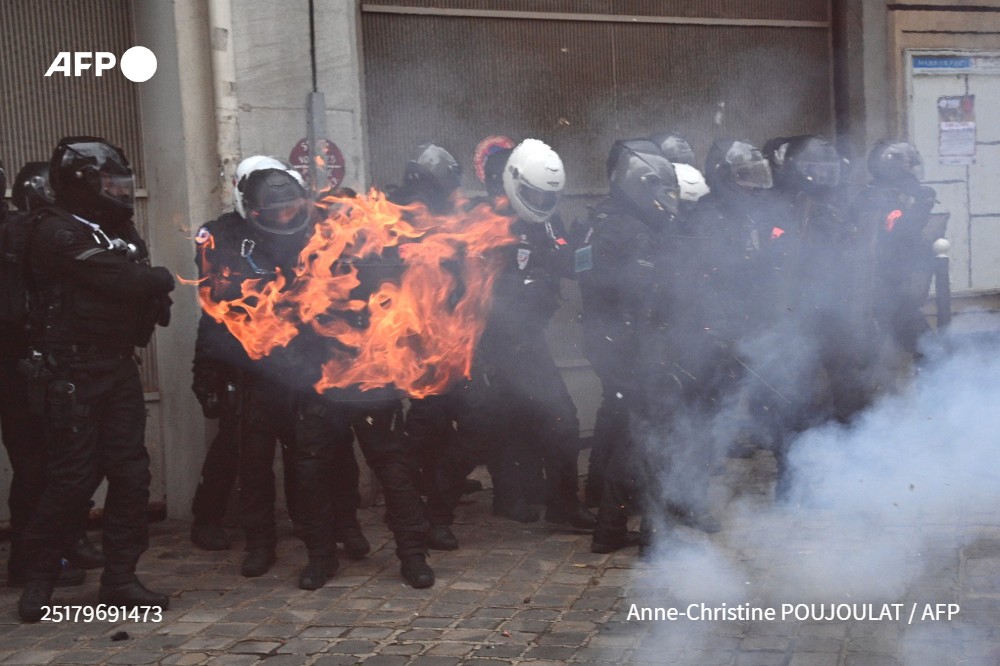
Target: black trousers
{"points": [[261, 413], [324, 433], [22, 437], [533, 408], [218, 472], [95, 429], [450, 434], [265, 415]]}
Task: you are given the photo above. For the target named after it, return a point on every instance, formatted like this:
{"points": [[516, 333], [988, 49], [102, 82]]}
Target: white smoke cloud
{"points": [[879, 512]]}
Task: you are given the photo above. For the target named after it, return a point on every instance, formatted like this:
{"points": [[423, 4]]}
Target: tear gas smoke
{"points": [[879, 511]]}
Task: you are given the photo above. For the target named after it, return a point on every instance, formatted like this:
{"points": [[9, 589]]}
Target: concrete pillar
{"points": [[181, 170]]}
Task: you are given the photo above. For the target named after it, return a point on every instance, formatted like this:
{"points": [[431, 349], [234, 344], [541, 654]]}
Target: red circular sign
{"points": [[332, 157]]}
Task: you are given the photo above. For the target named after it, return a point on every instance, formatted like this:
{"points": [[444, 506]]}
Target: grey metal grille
{"points": [[800, 10], [580, 85]]}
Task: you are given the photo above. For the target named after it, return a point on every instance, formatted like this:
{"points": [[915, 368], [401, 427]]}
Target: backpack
{"points": [[15, 297]]}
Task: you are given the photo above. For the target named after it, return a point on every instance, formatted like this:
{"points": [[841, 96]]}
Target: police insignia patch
{"points": [[523, 254]]}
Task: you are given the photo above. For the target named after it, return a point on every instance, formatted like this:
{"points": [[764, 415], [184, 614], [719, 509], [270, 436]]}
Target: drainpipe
{"points": [[315, 117], [220, 19]]}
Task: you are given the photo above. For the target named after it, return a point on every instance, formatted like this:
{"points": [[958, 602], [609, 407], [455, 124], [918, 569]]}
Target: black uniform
{"points": [[617, 279], [280, 399], [534, 407], [98, 298], [898, 213], [814, 248], [255, 408]]}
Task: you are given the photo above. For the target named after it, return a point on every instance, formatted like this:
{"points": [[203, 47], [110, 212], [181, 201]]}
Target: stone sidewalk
{"points": [[535, 594]]}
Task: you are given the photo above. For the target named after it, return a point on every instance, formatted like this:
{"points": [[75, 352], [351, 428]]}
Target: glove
{"points": [[925, 193], [161, 280], [164, 310], [211, 405], [207, 387]]}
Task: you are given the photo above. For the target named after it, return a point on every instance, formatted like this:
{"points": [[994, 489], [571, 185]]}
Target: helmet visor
{"points": [[664, 198], [753, 175], [284, 217], [916, 166], [821, 173], [541, 201], [118, 188]]}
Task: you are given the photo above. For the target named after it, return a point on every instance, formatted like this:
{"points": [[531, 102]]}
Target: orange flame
{"points": [[416, 331]]}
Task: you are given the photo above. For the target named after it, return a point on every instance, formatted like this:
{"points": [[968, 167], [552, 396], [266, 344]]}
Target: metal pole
{"points": [[315, 117], [942, 284]]}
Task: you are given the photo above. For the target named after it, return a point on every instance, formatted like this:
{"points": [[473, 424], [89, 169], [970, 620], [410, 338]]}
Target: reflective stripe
{"points": [[87, 254]]}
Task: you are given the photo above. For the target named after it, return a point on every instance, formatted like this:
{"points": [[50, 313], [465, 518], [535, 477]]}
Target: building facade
{"points": [[375, 79]]}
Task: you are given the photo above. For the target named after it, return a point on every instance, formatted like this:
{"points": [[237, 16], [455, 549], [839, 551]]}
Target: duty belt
{"points": [[90, 351]]}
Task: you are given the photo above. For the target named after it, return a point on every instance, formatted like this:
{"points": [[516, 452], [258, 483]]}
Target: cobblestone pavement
{"points": [[535, 594]]}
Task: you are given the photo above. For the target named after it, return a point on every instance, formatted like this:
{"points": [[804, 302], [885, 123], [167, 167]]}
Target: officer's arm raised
{"points": [[75, 252]]}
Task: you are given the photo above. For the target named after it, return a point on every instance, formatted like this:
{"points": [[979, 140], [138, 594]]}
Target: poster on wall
{"points": [[957, 130]]}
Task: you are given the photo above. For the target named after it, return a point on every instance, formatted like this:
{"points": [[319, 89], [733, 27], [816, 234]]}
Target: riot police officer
{"points": [[730, 228], [22, 430], [532, 402], [674, 147], [97, 299], [617, 282], [818, 243], [218, 368], [442, 430], [896, 208], [279, 401]]}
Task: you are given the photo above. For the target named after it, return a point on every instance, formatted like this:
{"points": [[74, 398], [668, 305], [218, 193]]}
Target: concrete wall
{"points": [[179, 137], [274, 76], [225, 89]]}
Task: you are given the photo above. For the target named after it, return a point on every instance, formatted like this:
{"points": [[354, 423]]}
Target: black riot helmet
{"points": [[31, 190], [675, 147], [493, 171], [811, 163], [895, 161], [275, 202], [774, 151], [92, 178], [643, 179], [738, 166], [433, 175]]}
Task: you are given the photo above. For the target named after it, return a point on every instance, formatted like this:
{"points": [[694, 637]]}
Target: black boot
{"points": [[257, 562], [517, 511], [355, 544], [69, 576], [132, 594], [416, 572], [319, 570], [37, 593], [84, 554], [440, 537], [574, 516], [608, 542], [209, 536]]}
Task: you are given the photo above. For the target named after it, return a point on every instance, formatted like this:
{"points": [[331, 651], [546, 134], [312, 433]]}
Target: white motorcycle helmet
{"points": [[533, 180], [247, 167], [691, 181]]}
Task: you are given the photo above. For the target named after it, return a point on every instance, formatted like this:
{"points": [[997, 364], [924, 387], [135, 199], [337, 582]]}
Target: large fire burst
{"points": [[417, 329]]}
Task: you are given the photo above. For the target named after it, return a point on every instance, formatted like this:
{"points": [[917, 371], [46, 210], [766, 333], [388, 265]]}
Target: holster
{"points": [[38, 376], [61, 404]]}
